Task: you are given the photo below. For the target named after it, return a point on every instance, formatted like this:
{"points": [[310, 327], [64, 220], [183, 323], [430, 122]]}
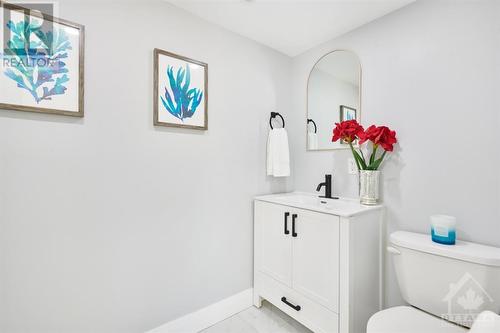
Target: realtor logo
{"points": [[21, 15], [466, 299]]}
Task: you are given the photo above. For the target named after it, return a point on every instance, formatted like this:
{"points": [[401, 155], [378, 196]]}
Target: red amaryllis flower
{"points": [[348, 130], [380, 136]]}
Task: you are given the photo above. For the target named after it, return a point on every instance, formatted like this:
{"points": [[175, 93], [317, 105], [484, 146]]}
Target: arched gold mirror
{"points": [[333, 95]]}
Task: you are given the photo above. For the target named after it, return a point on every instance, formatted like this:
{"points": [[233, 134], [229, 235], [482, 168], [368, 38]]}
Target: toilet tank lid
{"points": [[466, 251]]}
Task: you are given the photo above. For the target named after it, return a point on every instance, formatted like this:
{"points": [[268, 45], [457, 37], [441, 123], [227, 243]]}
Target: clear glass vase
{"points": [[369, 187]]}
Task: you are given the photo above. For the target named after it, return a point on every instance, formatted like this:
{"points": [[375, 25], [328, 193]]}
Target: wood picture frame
{"points": [[175, 72], [62, 89], [346, 113]]}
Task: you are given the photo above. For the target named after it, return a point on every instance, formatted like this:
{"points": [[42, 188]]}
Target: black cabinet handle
{"points": [[286, 223], [295, 307], [294, 234]]}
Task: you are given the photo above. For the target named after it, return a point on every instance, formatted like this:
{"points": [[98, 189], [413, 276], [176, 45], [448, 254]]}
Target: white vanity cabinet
{"points": [[318, 260]]}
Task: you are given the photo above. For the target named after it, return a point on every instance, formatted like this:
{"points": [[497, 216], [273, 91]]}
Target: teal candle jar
{"points": [[443, 229]]}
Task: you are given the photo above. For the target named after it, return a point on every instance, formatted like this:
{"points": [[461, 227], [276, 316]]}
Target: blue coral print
{"points": [[185, 100], [36, 59]]}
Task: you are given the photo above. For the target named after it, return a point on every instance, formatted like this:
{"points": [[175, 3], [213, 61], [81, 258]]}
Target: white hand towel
{"points": [[312, 141], [278, 154]]}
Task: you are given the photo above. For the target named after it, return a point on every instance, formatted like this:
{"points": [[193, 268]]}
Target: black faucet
{"points": [[328, 187]]}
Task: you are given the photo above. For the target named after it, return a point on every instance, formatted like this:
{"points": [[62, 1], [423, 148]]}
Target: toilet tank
{"points": [[455, 282]]}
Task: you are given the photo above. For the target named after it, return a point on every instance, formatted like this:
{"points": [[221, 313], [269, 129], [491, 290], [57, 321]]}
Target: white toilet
{"points": [[447, 286]]}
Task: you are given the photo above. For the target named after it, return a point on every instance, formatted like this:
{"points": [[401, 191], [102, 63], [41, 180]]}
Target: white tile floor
{"points": [[267, 319]]}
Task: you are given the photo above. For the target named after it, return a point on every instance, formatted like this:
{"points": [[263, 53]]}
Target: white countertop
{"points": [[341, 207]]}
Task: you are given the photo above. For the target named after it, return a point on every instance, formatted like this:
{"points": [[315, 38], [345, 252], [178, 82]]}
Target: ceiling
{"points": [[290, 26]]}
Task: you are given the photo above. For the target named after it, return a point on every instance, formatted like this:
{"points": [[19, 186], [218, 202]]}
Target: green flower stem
{"points": [[362, 155], [374, 154], [360, 162], [375, 165]]}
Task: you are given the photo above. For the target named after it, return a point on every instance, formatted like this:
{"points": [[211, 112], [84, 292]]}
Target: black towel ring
{"points": [[273, 115], [315, 127]]}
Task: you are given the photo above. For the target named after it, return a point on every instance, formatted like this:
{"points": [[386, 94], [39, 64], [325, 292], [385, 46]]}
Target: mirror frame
{"points": [[307, 97]]}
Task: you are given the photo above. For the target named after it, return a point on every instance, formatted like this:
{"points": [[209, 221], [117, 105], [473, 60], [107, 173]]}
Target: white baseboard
{"points": [[208, 316]]}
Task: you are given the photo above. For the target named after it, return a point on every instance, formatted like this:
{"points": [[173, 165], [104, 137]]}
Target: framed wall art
{"points": [[42, 62], [180, 96], [347, 113]]}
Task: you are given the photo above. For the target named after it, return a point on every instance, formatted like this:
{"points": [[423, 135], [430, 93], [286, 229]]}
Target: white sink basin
{"points": [[341, 207]]}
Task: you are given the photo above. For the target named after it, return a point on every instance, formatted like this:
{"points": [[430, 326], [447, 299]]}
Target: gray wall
{"points": [[108, 224], [431, 72]]}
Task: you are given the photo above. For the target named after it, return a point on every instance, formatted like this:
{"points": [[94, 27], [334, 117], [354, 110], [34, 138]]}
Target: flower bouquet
{"points": [[383, 137]]}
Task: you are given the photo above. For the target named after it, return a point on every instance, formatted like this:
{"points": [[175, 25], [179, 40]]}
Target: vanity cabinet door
{"points": [[274, 241], [315, 251]]}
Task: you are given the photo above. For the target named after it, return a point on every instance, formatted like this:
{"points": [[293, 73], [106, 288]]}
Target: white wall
{"points": [[108, 224], [431, 72]]}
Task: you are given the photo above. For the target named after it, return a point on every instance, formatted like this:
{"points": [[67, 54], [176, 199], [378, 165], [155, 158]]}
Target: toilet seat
{"points": [[406, 319]]}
